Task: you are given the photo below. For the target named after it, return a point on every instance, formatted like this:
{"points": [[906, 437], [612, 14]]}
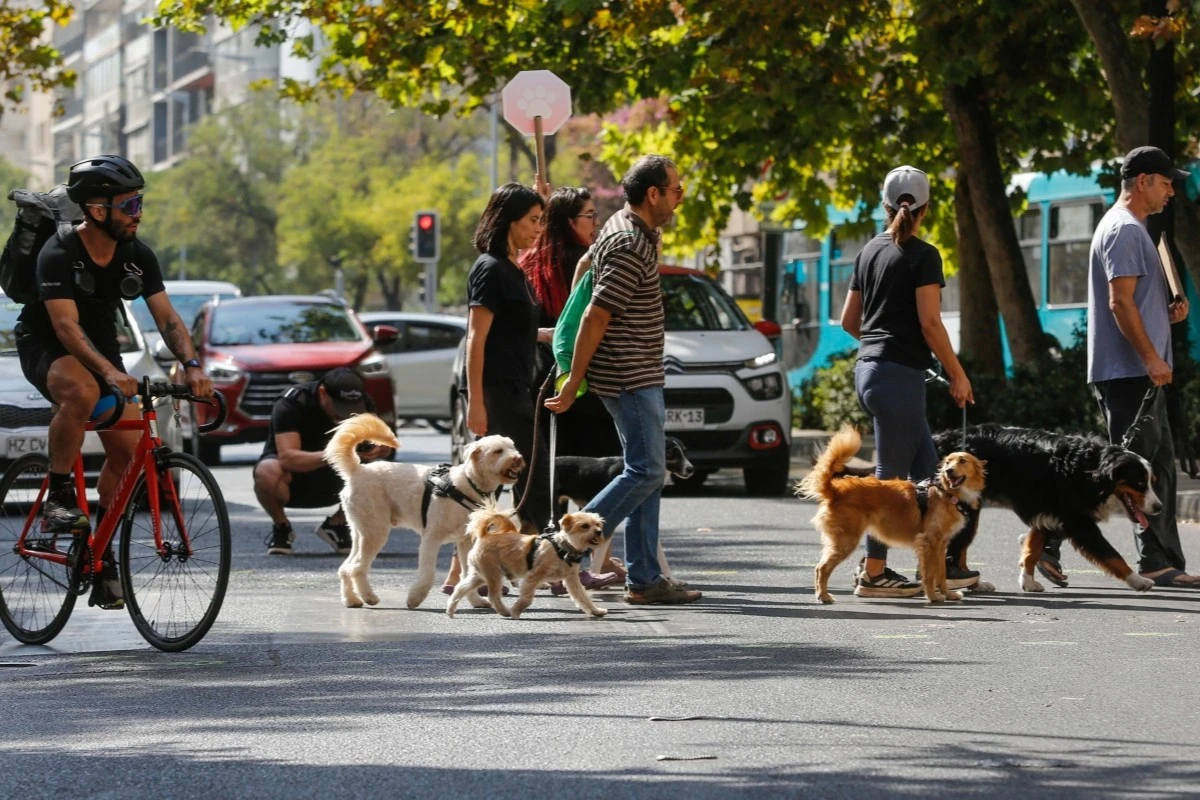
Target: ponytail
{"points": [[902, 221]]}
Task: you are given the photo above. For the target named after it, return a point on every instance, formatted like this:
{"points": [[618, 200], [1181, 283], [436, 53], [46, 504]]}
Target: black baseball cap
{"points": [[1150, 161], [345, 389]]}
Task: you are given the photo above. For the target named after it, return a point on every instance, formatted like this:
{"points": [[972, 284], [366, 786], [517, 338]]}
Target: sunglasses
{"points": [[592, 215], [130, 208]]}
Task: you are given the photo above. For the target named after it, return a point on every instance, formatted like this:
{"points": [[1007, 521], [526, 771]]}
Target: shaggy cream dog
{"points": [[385, 494], [501, 551]]}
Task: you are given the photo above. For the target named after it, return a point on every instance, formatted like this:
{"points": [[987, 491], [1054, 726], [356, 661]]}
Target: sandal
{"points": [[1171, 577], [1051, 569]]}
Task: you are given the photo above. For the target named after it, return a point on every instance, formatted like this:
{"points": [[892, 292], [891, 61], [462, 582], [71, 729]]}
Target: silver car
{"points": [[25, 414], [420, 359], [188, 297]]}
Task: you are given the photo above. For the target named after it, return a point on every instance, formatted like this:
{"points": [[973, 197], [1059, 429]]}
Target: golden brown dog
{"points": [[500, 550], [889, 509]]}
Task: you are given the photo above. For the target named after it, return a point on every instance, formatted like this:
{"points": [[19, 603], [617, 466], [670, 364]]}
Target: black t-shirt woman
{"points": [[502, 334], [571, 223], [894, 308]]}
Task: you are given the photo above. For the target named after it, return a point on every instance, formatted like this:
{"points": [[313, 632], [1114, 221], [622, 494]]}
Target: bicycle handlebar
{"points": [[164, 389], [117, 412]]}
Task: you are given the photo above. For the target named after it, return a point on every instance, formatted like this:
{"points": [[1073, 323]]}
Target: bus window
{"points": [[1071, 227], [841, 267], [1029, 232], [802, 293]]}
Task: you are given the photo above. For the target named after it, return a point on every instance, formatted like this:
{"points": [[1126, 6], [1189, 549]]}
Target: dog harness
{"points": [[567, 554], [438, 483], [923, 488]]}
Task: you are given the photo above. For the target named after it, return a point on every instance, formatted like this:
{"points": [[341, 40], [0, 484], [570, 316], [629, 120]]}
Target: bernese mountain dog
{"points": [[1057, 484]]}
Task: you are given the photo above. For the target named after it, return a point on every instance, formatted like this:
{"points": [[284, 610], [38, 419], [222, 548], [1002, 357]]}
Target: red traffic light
{"points": [[425, 221]]}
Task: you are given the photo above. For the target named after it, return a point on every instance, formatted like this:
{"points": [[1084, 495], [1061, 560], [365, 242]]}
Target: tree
{"points": [[24, 55], [11, 177]]}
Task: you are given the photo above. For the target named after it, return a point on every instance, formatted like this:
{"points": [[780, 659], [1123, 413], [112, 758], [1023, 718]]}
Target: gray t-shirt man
{"points": [[1122, 247]]}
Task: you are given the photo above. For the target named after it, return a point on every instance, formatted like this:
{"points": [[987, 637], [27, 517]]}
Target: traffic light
{"points": [[427, 235]]}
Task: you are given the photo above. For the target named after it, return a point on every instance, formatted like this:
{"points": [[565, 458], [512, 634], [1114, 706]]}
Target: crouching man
{"points": [[292, 473]]}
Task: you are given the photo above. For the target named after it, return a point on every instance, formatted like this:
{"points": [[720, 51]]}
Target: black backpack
{"points": [[40, 215]]}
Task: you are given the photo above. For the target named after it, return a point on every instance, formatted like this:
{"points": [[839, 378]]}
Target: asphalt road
{"points": [[1083, 692]]}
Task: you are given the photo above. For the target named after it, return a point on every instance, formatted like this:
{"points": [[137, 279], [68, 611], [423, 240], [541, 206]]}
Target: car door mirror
{"points": [[768, 328], [384, 334], [162, 353]]}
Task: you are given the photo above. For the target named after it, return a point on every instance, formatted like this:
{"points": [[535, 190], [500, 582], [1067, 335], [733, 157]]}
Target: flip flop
{"points": [[1051, 569], [1170, 577]]}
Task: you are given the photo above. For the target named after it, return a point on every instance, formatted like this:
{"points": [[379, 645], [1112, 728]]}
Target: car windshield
{"points": [[8, 320], [282, 323], [693, 303], [188, 306]]}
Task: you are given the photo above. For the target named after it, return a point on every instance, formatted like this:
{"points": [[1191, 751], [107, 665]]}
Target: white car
{"points": [[188, 297], [726, 394], [420, 360], [25, 414]]}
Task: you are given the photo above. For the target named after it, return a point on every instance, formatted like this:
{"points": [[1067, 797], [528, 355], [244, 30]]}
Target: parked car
{"points": [[188, 297], [419, 360], [254, 348], [25, 414], [726, 394]]}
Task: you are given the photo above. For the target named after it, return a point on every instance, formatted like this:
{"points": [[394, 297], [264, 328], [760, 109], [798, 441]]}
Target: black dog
{"points": [[580, 478], [1057, 484]]}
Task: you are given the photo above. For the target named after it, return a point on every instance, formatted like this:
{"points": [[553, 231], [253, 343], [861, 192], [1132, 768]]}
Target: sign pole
{"points": [[540, 142]]}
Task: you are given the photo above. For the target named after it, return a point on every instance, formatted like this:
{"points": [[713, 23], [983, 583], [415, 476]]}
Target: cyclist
{"points": [[67, 341]]}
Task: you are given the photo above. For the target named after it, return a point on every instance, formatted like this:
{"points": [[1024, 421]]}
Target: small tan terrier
{"points": [[499, 550]]}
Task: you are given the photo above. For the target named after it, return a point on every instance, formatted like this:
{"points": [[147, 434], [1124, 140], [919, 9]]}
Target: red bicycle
{"points": [[175, 543]]}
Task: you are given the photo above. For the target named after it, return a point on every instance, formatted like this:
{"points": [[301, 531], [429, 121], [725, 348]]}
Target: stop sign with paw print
{"points": [[536, 93]]}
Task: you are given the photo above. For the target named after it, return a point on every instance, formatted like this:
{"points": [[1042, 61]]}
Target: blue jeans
{"points": [[894, 396], [634, 495]]}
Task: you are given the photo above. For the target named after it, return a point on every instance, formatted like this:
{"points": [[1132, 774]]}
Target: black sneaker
{"points": [[279, 540], [957, 577], [61, 513], [106, 588], [888, 583], [336, 536]]}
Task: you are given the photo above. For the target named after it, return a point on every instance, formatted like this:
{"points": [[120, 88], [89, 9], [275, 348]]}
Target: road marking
{"points": [[1051, 642], [901, 636], [1149, 633]]}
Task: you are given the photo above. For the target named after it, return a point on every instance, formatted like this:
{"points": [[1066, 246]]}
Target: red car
{"points": [[254, 348]]}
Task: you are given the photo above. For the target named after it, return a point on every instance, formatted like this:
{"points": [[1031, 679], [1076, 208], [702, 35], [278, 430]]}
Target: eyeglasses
{"points": [[130, 208], [592, 215], [676, 190]]}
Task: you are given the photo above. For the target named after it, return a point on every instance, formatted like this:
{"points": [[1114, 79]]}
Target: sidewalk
{"points": [[807, 442]]}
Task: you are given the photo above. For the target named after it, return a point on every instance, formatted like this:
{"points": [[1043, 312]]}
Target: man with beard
{"points": [[67, 340]]}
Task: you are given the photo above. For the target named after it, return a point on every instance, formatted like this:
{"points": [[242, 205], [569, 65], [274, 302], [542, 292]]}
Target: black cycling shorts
{"points": [[37, 354], [316, 489]]}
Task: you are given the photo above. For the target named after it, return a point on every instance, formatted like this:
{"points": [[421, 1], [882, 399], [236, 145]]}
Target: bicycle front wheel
{"points": [[35, 593], [174, 592]]}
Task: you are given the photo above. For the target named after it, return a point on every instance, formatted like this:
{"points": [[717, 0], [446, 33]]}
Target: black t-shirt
{"points": [[888, 275], [298, 410], [500, 286], [59, 266]]}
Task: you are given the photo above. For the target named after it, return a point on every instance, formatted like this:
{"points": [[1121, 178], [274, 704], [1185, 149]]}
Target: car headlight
{"points": [[764, 387], [761, 361], [224, 373], [372, 365]]}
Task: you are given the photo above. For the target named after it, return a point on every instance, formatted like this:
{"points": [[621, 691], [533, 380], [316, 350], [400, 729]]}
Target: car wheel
{"points": [[208, 451], [459, 435], [440, 425], [767, 481], [694, 482]]}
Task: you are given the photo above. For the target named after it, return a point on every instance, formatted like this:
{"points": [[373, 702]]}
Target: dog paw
{"points": [[371, 599], [1139, 583], [825, 598], [450, 613], [937, 597], [954, 595], [599, 612], [353, 603], [982, 587], [1030, 584], [415, 598]]}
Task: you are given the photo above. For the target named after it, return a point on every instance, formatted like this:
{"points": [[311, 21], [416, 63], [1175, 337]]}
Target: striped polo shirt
{"points": [[626, 284]]}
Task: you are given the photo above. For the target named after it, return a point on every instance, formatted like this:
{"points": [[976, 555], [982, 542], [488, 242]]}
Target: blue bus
{"points": [[1055, 233]]}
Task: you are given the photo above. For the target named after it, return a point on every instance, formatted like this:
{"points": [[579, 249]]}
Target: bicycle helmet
{"points": [[103, 176]]}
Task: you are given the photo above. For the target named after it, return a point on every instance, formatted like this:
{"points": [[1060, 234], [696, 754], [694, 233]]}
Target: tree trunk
{"points": [[980, 159], [389, 287], [359, 286], [1122, 70], [979, 323]]}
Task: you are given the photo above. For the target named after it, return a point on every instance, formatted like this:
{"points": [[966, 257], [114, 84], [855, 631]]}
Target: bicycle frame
{"points": [[144, 460]]}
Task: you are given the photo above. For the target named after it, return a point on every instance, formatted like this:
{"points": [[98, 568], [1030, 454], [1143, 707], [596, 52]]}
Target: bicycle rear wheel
{"points": [[174, 595], [35, 593]]}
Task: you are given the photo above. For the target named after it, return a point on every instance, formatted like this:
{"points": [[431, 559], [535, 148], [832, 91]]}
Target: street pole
{"points": [[431, 275], [183, 262]]}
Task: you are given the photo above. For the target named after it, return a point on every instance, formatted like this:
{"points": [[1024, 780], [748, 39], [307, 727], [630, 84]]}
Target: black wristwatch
{"points": [[192, 362]]}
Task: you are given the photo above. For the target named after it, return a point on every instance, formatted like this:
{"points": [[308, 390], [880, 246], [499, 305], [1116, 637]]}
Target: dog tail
{"points": [[491, 519], [352, 432], [818, 484]]}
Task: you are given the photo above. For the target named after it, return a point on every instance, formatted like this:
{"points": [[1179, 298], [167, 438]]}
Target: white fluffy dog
{"points": [[383, 495]]}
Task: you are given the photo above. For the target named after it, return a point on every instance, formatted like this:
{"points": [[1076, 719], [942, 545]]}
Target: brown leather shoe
{"points": [[661, 593]]}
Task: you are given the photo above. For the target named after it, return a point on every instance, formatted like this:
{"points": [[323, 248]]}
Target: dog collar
{"points": [[565, 552], [924, 487], [438, 483]]}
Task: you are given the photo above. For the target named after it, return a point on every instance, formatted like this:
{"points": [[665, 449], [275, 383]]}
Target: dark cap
{"points": [[1150, 161], [345, 389]]}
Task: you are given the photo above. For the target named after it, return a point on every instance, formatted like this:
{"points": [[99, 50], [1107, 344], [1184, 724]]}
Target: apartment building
{"points": [[140, 88]]}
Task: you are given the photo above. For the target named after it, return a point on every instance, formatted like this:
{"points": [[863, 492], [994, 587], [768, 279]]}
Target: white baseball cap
{"points": [[906, 180]]}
